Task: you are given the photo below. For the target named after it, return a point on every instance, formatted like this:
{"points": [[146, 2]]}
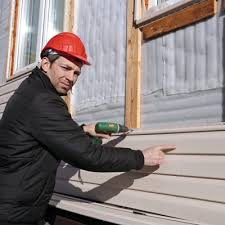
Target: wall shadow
{"points": [[104, 191]]}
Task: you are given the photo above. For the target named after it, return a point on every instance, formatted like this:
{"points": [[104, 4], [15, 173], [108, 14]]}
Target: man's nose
{"points": [[72, 77]]}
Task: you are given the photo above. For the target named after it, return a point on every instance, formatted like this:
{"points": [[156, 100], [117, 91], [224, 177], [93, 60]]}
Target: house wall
{"points": [[188, 186], [100, 90], [7, 90], [182, 85], [183, 76], [5, 14], [179, 88]]}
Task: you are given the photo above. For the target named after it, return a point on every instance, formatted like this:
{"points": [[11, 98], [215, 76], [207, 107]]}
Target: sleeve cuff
{"points": [[139, 159]]}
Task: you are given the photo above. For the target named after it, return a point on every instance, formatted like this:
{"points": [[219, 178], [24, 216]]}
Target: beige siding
{"points": [[112, 213], [190, 185], [7, 90]]}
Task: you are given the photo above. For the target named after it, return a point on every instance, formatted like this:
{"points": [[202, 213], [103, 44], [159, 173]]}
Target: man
{"points": [[36, 132]]}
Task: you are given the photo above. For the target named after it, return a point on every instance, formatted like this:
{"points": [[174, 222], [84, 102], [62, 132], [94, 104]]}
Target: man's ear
{"points": [[45, 64]]}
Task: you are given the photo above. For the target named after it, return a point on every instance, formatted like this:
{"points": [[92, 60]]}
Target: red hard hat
{"points": [[67, 44]]}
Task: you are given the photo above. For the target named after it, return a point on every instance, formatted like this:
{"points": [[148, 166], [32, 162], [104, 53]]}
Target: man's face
{"points": [[62, 73]]}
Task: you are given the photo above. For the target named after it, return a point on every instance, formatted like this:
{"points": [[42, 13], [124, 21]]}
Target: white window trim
{"points": [[141, 18]]}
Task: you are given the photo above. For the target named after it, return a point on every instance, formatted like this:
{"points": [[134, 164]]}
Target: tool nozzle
{"points": [[123, 129]]}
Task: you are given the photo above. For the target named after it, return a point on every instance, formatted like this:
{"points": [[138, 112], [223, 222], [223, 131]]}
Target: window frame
{"points": [[31, 66], [160, 21], [42, 26]]}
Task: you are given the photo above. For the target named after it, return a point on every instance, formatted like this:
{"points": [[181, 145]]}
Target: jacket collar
{"points": [[38, 75]]}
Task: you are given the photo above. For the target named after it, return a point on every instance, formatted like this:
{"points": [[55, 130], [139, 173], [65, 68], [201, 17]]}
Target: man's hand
{"points": [[155, 155], [90, 129]]}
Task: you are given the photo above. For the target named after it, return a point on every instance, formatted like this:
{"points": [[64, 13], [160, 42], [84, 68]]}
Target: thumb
{"points": [[106, 136]]}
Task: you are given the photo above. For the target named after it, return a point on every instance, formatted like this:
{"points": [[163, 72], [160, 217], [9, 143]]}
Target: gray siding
{"points": [[183, 110], [99, 93], [5, 11], [183, 76]]}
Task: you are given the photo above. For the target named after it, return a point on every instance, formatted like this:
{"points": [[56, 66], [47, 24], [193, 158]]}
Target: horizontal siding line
{"points": [[201, 177], [178, 196], [18, 77], [185, 208], [172, 185], [200, 154], [187, 144], [2, 107], [114, 210], [143, 212], [7, 92], [157, 173], [3, 103], [201, 166], [5, 98], [11, 81], [155, 192], [12, 87], [181, 130], [188, 130]]}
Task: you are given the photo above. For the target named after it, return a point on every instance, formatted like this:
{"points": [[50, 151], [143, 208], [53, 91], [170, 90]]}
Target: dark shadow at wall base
{"points": [[56, 216]]}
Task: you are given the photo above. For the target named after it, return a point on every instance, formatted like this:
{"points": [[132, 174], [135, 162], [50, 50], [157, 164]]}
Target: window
{"points": [[156, 17], [37, 22]]}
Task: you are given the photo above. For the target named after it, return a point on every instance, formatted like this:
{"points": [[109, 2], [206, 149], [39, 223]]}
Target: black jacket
{"points": [[36, 132]]}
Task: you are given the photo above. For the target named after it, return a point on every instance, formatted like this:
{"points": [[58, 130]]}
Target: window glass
{"points": [[38, 21], [152, 3], [27, 32], [55, 19]]}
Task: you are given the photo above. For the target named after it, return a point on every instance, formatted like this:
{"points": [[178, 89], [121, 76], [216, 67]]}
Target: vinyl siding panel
{"points": [[7, 90], [112, 214], [189, 185]]}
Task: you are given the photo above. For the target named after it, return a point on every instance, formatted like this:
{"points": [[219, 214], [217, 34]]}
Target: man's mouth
{"points": [[66, 86]]}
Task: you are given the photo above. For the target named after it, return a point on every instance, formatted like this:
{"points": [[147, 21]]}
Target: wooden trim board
{"points": [[12, 47], [133, 71], [69, 26], [181, 18]]}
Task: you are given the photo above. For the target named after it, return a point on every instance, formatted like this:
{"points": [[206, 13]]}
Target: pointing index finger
{"points": [[167, 147]]}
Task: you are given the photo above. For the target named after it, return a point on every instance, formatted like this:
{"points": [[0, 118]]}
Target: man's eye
{"points": [[65, 68], [76, 74]]}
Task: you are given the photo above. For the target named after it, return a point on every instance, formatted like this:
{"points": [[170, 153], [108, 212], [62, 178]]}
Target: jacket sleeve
{"points": [[52, 126]]}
